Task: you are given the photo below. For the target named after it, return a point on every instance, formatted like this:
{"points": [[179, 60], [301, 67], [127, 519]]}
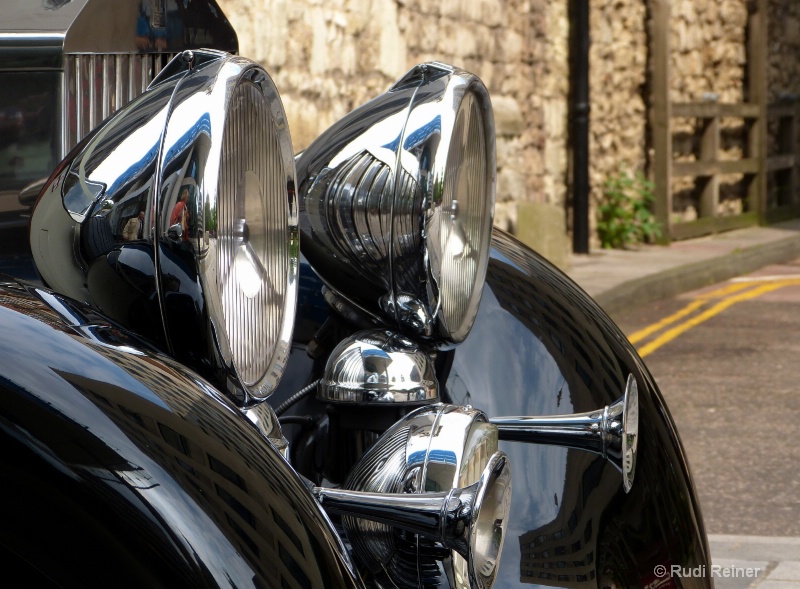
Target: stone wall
{"points": [[708, 63], [707, 43], [618, 76], [329, 56]]}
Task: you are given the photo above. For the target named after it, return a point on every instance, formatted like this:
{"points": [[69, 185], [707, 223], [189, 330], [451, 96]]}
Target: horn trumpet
{"points": [[469, 520], [612, 431]]}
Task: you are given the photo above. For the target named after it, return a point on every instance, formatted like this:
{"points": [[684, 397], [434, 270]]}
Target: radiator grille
{"points": [[96, 85]]}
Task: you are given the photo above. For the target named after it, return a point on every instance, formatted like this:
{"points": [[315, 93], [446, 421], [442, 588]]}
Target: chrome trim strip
{"points": [[32, 37]]}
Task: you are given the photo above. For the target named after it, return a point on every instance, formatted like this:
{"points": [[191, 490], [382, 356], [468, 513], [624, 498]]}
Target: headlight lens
{"points": [[399, 200], [465, 223], [253, 254]]}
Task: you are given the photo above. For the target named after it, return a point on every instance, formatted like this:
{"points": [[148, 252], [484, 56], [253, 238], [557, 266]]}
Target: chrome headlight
{"points": [[399, 200], [438, 473], [204, 159]]}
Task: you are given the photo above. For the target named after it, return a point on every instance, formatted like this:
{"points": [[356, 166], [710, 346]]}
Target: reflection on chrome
{"points": [[399, 200], [208, 202], [612, 431], [378, 366], [437, 473], [470, 520]]}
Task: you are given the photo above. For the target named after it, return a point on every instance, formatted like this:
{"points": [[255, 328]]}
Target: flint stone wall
{"points": [[784, 49], [329, 56]]}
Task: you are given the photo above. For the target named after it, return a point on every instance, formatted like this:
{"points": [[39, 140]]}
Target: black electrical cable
{"points": [[304, 420], [304, 392]]}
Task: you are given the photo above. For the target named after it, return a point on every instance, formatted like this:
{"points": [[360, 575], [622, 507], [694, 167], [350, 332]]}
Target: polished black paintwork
{"points": [[122, 468], [540, 346]]}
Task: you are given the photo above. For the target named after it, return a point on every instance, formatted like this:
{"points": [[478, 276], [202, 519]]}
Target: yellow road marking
{"points": [[671, 334], [687, 310], [770, 278], [726, 290], [638, 336]]}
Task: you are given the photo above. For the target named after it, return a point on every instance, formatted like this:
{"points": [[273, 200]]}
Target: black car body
{"points": [[140, 448]]}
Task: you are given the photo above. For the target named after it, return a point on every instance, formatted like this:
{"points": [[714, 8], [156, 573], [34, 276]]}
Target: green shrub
{"points": [[623, 215]]}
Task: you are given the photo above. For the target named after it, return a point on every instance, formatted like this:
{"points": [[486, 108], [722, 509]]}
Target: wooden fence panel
{"points": [[773, 182]]}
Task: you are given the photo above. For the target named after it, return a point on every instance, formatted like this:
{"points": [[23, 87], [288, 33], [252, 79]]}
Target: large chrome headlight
{"points": [[399, 198], [178, 218]]}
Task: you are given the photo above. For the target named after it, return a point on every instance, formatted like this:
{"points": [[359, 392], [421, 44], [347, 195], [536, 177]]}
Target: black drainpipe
{"points": [[580, 125]]}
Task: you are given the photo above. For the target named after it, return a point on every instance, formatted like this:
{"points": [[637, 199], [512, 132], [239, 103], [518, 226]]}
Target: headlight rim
{"points": [[214, 93]]}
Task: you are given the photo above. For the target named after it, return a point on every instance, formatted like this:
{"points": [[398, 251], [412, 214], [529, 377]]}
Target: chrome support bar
{"points": [[442, 517]]}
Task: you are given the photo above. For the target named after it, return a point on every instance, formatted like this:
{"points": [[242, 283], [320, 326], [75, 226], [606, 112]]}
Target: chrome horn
{"points": [[468, 520], [429, 500], [612, 431]]}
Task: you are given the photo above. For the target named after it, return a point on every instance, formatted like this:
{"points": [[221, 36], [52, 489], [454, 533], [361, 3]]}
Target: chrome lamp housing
{"points": [[376, 367], [398, 201], [430, 500], [203, 160]]}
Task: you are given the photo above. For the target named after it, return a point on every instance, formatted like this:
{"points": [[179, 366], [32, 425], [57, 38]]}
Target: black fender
{"points": [[542, 346], [122, 468]]}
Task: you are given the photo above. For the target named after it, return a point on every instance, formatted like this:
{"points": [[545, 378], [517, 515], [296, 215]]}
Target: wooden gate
{"points": [[772, 180]]}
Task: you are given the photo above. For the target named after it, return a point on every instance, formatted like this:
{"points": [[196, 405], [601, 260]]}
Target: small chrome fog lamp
{"points": [[433, 494], [371, 380], [399, 200], [378, 366]]}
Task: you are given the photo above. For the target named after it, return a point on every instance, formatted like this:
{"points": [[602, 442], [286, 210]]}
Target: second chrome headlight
{"points": [[399, 198]]}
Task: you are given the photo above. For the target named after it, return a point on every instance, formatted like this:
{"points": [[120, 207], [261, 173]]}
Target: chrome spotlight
{"points": [[398, 203], [436, 475], [201, 167], [612, 431], [378, 366]]}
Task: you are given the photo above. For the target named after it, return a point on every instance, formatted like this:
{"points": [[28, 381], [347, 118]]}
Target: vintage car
{"points": [[239, 366]]}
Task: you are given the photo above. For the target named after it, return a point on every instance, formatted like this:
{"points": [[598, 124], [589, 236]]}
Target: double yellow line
{"points": [[729, 295]]}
